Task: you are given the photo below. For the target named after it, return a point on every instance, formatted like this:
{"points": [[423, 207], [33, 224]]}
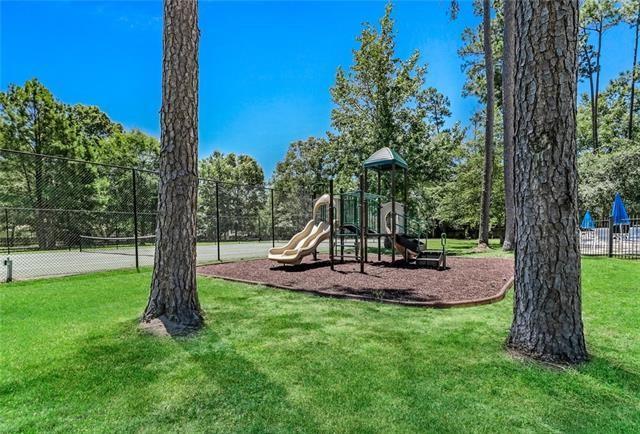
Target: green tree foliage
{"points": [[379, 101], [32, 120], [382, 101], [482, 63], [114, 187], [472, 54], [458, 200], [426, 198], [241, 193], [306, 165], [615, 168], [613, 112], [298, 178], [437, 107], [596, 18], [604, 174]]}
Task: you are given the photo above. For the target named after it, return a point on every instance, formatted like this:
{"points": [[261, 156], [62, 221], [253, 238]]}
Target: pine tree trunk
{"points": [[174, 295], [485, 205], [508, 70], [633, 76], [547, 323], [596, 103], [591, 100]]}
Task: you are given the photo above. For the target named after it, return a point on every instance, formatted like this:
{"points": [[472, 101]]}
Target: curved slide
{"points": [[302, 244], [306, 241], [411, 245], [402, 242]]}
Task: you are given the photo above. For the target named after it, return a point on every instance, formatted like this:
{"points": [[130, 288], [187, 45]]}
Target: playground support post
{"points": [[340, 230], [331, 228], [379, 225], [273, 223], [363, 236], [393, 213], [313, 201], [218, 220], [406, 210], [135, 217], [365, 204]]}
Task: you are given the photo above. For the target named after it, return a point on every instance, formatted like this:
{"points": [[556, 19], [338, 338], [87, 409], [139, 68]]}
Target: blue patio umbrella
{"points": [[618, 212], [587, 221]]}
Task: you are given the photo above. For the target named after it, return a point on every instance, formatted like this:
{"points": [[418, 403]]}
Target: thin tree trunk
{"points": [[485, 203], [594, 114], [547, 323], [174, 298], [633, 76], [596, 139], [508, 69]]}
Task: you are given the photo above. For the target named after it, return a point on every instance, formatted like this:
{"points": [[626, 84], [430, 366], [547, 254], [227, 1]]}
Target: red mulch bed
{"points": [[467, 281]]}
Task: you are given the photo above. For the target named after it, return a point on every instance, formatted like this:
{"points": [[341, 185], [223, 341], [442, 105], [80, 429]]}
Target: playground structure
{"points": [[363, 216]]}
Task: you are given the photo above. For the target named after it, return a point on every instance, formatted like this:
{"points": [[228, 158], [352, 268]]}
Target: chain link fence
{"points": [[67, 216]]}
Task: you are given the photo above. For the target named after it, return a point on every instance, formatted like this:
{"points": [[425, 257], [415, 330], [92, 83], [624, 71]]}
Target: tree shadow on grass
{"points": [[236, 388], [103, 367], [119, 378], [614, 375]]}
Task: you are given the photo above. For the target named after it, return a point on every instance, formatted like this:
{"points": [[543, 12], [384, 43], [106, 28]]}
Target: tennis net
{"points": [[118, 245]]}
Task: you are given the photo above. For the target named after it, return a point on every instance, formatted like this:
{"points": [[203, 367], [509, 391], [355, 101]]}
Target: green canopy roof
{"points": [[384, 159]]}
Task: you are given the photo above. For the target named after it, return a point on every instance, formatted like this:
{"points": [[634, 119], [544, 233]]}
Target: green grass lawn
{"points": [[72, 359]]}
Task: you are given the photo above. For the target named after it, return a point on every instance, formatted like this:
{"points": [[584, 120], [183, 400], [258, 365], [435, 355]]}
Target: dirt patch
{"points": [[467, 281], [163, 327]]}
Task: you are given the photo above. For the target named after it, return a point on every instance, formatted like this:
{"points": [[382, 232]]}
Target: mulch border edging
{"points": [[499, 296]]}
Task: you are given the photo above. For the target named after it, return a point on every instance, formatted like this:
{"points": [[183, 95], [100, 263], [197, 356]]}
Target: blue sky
{"points": [[265, 67]]}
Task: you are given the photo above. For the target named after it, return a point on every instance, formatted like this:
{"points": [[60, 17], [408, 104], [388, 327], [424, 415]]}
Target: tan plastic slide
{"points": [[306, 241], [302, 244]]}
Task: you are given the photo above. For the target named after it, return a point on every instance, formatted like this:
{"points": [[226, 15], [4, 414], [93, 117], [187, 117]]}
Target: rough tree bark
{"points": [[174, 299], [508, 70], [485, 202], [547, 323]]}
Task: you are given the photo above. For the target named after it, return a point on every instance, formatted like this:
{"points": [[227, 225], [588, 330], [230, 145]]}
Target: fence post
{"points": [[218, 221], [259, 227], [135, 216], [273, 223], [6, 221], [610, 253]]}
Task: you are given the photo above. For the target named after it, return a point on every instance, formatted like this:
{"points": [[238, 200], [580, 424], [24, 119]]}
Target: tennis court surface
{"points": [[28, 265]]}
